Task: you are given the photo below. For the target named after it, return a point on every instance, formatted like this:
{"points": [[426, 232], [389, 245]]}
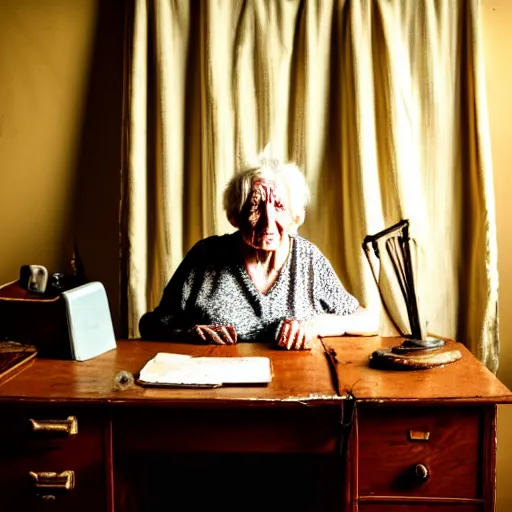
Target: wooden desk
{"points": [[455, 405], [139, 449]]}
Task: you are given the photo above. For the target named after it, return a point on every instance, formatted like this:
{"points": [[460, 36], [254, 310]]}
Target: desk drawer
{"points": [[165, 452], [420, 507], [229, 430], [397, 459], [40, 458]]}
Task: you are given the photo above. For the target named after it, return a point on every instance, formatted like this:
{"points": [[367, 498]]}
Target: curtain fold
{"points": [[381, 103]]}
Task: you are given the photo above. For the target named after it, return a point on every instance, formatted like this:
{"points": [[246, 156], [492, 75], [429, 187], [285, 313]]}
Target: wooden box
{"points": [[35, 320]]}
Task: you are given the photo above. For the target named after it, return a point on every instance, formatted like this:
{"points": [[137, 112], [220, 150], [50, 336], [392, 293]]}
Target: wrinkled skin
{"points": [[265, 219], [297, 334], [216, 334], [264, 224]]}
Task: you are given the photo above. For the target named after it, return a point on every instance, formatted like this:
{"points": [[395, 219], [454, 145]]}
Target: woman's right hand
{"points": [[216, 334]]}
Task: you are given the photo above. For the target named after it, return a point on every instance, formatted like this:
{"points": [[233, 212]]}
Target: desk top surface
{"points": [[466, 380], [299, 377]]}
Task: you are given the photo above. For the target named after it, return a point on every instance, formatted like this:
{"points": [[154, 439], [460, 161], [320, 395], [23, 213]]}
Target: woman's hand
{"points": [[360, 323], [297, 334], [216, 334]]}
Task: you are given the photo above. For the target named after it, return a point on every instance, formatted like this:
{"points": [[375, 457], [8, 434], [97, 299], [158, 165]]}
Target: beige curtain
{"points": [[380, 102]]}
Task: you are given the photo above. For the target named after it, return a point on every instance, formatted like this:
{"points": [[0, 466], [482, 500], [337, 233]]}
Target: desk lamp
{"points": [[393, 267]]}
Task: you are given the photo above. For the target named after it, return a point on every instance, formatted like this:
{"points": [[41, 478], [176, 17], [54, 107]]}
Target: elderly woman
{"points": [[261, 283]]}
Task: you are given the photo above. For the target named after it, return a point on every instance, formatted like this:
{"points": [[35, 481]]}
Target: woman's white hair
{"points": [[288, 175]]}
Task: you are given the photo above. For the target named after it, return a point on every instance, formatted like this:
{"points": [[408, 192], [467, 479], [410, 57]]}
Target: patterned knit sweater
{"points": [[212, 287]]}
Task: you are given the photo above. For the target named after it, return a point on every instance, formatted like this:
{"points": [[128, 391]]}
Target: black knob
{"points": [[421, 472]]}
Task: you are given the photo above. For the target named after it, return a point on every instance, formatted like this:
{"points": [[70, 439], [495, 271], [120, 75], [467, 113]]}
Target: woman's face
{"points": [[265, 217]]}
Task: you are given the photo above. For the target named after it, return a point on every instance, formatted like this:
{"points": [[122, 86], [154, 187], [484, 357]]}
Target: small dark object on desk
{"points": [[57, 281], [123, 380]]}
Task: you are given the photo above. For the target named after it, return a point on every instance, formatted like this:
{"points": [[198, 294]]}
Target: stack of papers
{"points": [[167, 369]]}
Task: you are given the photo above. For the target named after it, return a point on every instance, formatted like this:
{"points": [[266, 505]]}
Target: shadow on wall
{"points": [[95, 217]]}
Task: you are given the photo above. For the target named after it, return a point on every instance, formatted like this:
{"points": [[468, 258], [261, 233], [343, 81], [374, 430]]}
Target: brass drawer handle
{"points": [[419, 435], [49, 480], [421, 472], [68, 426]]}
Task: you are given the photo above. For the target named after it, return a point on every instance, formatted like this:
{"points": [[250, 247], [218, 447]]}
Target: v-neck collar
{"points": [[246, 278]]}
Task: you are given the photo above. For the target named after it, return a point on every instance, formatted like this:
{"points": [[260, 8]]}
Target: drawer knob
{"points": [[69, 426], [49, 480], [421, 472]]}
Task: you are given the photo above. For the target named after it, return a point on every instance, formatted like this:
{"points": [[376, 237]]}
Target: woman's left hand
{"points": [[296, 334]]}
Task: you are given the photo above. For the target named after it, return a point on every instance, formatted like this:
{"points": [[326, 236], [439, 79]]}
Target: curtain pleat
{"points": [[134, 197], [381, 103]]}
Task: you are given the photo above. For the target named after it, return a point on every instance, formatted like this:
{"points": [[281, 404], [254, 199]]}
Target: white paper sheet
{"points": [[181, 370]]}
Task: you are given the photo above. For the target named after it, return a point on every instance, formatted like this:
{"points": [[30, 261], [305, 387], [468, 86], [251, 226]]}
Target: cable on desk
{"points": [[348, 405]]}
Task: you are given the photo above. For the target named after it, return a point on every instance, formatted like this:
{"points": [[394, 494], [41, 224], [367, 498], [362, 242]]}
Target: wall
{"points": [[60, 116], [497, 23]]}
